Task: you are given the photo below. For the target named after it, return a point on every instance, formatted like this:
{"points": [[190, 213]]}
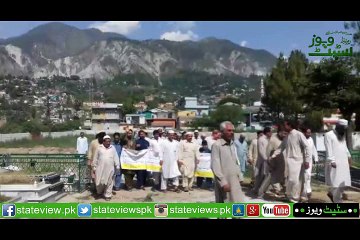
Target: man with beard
{"points": [[106, 160], [141, 144], [338, 161], [129, 143], [155, 146], [188, 159], [98, 141]]}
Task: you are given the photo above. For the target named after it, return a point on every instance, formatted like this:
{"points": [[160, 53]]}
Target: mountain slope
{"points": [[59, 49]]}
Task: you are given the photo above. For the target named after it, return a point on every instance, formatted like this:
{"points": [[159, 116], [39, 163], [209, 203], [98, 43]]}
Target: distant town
{"points": [[58, 100]]}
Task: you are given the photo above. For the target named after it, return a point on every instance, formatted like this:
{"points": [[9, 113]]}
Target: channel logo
{"points": [[238, 210], [84, 210], [253, 210], [275, 210], [8, 210]]}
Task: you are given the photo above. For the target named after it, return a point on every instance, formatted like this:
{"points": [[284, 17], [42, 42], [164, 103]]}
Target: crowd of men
{"points": [[280, 162], [178, 154]]}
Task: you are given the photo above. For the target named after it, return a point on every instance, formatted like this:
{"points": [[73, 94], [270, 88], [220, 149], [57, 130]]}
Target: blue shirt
{"points": [[241, 149], [118, 148], [143, 144]]}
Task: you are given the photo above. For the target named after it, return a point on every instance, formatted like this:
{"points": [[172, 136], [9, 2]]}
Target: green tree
{"points": [[314, 120], [153, 104], [222, 113], [228, 113], [33, 127], [286, 86], [33, 113], [229, 99], [277, 88], [128, 107], [296, 73], [355, 26], [333, 85]]}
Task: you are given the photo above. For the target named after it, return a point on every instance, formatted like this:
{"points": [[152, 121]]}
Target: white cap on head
{"points": [[171, 132], [189, 133], [203, 135], [196, 131], [106, 137], [342, 122]]}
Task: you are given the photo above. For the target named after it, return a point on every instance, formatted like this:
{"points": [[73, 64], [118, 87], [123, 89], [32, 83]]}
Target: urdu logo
{"points": [[333, 44], [8, 210]]}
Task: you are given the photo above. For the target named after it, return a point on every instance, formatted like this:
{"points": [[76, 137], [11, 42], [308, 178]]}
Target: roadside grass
{"points": [[62, 142]]}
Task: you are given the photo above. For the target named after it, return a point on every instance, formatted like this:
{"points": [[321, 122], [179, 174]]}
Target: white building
{"points": [[104, 116], [191, 104]]}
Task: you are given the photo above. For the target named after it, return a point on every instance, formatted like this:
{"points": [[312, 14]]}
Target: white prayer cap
{"points": [[196, 131], [107, 137], [189, 133], [342, 122], [171, 132]]}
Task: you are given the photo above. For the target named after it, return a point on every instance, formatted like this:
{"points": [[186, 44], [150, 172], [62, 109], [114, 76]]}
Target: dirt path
{"points": [[200, 195]]}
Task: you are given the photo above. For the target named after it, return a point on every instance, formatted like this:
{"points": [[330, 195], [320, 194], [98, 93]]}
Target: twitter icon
{"points": [[84, 210]]}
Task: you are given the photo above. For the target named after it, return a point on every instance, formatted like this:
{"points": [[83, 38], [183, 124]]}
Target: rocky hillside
{"points": [[59, 49]]}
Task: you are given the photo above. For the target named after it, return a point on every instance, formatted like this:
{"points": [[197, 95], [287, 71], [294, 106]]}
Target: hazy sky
{"points": [[274, 36]]}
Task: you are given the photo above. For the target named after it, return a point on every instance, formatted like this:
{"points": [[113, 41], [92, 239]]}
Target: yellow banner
{"points": [[203, 169], [140, 160]]}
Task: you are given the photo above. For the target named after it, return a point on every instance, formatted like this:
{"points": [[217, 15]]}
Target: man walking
{"points": [[91, 153], [241, 150], [276, 166], [306, 193], [105, 161], [226, 167], [262, 168], [297, 159], [253, 155], [338, 161]]}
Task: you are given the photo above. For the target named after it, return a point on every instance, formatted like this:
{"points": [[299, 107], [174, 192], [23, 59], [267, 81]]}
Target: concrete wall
{"points": [[318, 137], [14, 136], [20, 136]]}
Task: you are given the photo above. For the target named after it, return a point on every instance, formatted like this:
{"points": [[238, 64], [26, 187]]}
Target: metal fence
{"points": [[318, 169], [71, 167]]}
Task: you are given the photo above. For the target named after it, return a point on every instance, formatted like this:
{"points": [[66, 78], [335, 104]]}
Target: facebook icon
{"points": [[8, 210]]}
